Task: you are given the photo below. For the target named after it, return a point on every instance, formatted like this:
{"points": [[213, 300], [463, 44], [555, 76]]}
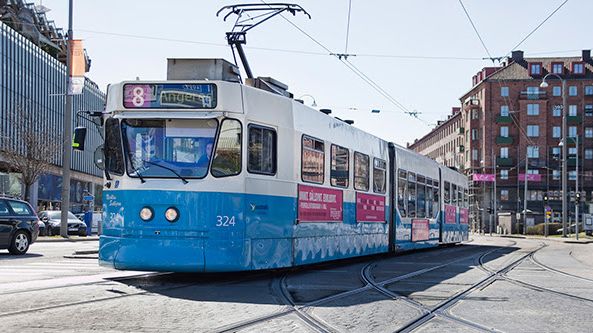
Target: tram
{"points": [[204, 173]]}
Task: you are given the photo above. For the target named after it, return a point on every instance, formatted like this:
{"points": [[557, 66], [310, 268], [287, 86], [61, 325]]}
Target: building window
{"points": [[475, 114], [556, 131], [532, 109], [589, 110], [557, 67], [532, 151], [556, 153], [588, 90], [474, 154], [557, 110], [572, 131], [556, 91], [504, 195], [504, 91], [572, 110], [504, 174], [504, 131], [533, 172], [535, 68], [572, 91], [589, 132], [589, 154], [578, 68], [556, 174], [533, 130], [339, 166], [504, 110], [572, 152], [504, 152], [475, 134], [572, 175]]}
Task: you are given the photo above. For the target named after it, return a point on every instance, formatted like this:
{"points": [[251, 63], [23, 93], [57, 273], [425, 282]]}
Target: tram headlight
{"points": [[146, 214], [172, 214]]}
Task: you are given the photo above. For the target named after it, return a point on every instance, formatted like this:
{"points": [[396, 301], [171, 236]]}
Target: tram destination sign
{"points": [[169, 96]]}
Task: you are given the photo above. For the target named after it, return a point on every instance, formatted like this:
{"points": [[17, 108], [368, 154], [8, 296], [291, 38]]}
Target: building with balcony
{"points": [[512, 124], [33, 75]]}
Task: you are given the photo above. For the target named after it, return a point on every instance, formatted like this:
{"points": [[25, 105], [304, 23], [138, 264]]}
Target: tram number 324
{"points": [[225, 221]]}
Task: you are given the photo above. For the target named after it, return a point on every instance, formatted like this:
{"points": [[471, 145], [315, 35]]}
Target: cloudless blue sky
{"points": [[411, 29]]}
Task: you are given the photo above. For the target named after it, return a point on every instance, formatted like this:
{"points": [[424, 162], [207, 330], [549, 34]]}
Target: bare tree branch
{"points": [[31, 150]]}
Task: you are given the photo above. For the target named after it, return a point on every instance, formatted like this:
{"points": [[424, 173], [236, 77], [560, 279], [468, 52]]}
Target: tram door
{"points": [[392, 197]]}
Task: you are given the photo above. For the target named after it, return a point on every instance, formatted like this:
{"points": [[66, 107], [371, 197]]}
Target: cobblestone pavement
{"points": [[488, 284]]}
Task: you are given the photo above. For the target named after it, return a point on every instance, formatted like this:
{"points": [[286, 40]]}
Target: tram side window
{"points": [[466, 196], [435, 193], [339, 168], [411, 194], [453, 194], [420, 188], [447, 195], [361, 171], [313, 160], [114, 156], [379, 176], [227, 158], [460, 196], [401, 192], [261, 156]]}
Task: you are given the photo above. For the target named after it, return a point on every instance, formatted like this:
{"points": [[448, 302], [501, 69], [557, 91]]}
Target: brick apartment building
{"points": [[506, 119]]}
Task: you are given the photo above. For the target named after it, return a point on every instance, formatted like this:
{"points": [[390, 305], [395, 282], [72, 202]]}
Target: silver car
{"points": [[52, 220]]}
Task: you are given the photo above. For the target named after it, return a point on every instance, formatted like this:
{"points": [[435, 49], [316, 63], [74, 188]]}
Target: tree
{"points": [[31, 148]]}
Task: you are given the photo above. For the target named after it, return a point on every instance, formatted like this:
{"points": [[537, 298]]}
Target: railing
{"points": [[533, 95], [504, 140]]}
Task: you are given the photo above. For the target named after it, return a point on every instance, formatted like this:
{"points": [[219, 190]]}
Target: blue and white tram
{"points": [[212, 175]]}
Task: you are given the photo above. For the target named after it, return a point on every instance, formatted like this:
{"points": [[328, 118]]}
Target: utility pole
{"points": [[67, 136], [564, 159], [495, 193], [525, 193]]}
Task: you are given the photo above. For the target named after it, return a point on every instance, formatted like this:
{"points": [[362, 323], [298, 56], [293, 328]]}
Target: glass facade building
{"points": [[32, 78]]}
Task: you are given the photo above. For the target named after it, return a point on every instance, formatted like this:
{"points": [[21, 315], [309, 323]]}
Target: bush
{"points": [[540, 228]]}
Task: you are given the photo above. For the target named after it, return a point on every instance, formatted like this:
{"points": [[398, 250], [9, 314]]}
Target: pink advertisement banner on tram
{"points": [[370, 208], [318, 204], [450, 213], [463, 215], [420, 230]]}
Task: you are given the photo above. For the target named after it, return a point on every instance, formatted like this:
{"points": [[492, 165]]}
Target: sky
{"points": [[421, 54]]}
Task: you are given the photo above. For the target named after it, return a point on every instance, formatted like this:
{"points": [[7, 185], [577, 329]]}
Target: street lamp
{"points": [[544, 84], [314, 104]]}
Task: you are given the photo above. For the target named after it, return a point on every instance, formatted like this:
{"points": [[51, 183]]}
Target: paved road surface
{"points": [[490, 284]]}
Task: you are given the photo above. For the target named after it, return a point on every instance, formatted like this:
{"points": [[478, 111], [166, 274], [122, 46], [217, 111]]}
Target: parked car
{"points": [[19, 225], [42, 230], [52, 220]]}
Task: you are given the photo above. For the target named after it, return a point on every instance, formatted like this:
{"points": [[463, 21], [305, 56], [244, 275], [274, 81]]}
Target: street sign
{"points": [[88, 198]]}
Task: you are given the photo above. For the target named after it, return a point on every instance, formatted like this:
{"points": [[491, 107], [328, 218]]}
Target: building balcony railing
{"points": [[504, 120], [504, 140], [574, 119], [530, 95], [504, 161]]}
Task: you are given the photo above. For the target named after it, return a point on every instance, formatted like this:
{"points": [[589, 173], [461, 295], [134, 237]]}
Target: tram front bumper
{"points": [[149, 254]]}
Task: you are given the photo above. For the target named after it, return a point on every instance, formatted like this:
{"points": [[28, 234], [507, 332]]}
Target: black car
{"points": [[52, 220], [19, 226]]}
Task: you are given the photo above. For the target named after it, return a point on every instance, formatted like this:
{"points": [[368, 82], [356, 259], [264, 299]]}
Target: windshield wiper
{"points": [[138, 173], [170, 169]]}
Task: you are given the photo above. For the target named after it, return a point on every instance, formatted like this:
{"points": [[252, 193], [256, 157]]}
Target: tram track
{"points": [[442, 308], [279, 288]]}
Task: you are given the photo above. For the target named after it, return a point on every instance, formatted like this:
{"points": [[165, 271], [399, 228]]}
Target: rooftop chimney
{"points": [[586, 55], [517, 56]]}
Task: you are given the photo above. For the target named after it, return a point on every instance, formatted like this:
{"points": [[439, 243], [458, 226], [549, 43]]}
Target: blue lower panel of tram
{"points": [[225, 232]]}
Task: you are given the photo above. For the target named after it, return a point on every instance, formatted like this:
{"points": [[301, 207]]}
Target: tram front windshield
{"points": [[168, 148]]}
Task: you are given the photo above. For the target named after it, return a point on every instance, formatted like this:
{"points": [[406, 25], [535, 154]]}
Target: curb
{"points": [[569, 240], [51, 239]]}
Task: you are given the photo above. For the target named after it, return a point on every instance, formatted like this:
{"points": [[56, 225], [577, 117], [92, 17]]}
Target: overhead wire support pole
{"points": [[237, 36], [67, 134]]}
